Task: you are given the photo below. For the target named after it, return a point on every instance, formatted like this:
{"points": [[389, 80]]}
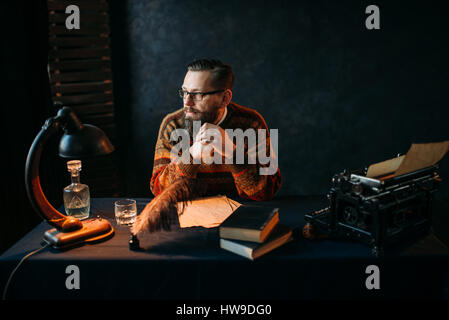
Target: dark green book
{"points": [[252, 250], [249, 223]]}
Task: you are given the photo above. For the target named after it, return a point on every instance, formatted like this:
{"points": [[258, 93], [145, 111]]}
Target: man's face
{"points": [[207, 109]]}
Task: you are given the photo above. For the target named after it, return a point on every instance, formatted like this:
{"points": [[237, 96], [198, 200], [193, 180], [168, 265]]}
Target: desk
{"points": [[188, 264]]}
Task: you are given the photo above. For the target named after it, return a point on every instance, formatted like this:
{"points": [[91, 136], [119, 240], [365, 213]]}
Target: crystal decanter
{"points": [[76, 195]]}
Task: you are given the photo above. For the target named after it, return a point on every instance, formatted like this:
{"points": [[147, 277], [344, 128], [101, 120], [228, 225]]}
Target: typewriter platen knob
{"points": [[356, 186]]}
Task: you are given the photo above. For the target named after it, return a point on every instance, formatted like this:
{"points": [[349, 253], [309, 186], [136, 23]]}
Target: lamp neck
{"points": [[33, 186], [69, 121]]}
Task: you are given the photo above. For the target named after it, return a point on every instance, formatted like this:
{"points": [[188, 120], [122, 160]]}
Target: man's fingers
{"points": [[206, 135]]}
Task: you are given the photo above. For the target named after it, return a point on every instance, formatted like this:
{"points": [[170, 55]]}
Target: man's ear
{"points": [[227, 97]]}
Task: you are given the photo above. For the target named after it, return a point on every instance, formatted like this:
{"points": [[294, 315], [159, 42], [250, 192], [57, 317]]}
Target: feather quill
{"points": [[162, 211]]}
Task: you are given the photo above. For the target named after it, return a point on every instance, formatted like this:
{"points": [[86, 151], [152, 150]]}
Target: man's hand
{"points": [[210, 140], [196, 150]]}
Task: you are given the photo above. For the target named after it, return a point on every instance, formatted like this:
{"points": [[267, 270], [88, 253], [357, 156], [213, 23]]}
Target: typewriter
{"points": [[376, 211]]}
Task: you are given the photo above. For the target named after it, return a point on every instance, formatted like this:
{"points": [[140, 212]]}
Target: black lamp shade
{"points": [[86, 142]]}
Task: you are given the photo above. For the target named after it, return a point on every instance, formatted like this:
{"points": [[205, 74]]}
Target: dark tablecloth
{"points": [[189, 264]]}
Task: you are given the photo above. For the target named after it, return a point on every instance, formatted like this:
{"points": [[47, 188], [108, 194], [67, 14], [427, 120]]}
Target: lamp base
{"points": [[93, 230]]}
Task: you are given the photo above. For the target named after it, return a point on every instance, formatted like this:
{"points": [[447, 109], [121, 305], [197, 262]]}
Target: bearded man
{"points": [[206, 94]]}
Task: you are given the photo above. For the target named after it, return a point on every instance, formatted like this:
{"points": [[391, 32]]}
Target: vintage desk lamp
{"points": [[78, 141]]}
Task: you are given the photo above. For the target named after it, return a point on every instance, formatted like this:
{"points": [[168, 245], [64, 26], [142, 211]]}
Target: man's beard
{"points": [[204, 117]]}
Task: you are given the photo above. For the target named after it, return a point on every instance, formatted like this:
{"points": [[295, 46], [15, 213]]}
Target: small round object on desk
{"points": [[307, 231]]}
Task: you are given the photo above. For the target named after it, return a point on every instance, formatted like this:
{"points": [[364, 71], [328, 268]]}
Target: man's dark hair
{"points": [[222, 74]]}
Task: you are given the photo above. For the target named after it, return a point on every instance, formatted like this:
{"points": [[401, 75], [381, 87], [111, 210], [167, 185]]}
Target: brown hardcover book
{"points": [[249, 223], [252, 250]]}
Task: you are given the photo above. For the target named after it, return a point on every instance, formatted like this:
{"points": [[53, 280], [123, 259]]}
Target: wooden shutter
{"points": [[79, 66]]}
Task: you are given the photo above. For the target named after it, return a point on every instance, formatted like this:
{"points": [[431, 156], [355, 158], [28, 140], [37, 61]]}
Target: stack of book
{"points": [[252, 231]]}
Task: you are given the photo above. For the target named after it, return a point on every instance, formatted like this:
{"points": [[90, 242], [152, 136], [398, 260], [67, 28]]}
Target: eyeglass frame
{"points": [[202, 94]]}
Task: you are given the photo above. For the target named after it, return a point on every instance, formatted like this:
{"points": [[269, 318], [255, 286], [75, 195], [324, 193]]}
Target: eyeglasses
{"points": [[196, 96]]}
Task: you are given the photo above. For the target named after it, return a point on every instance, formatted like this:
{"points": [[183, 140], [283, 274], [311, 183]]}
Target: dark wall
{"points": [[25, 104], [340, 95]]}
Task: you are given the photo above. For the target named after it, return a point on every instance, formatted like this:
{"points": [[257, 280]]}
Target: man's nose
{"points": [[188, 101]]}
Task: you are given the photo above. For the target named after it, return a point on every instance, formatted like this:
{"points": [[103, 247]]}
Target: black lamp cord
{"points": [[17, 267]]}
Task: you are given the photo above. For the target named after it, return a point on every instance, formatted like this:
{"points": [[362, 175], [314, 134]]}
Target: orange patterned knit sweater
{"points": [[243, 180]]}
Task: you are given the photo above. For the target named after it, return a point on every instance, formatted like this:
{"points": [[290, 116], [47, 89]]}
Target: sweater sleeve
{"points": [[165, 172], [258, 181]]}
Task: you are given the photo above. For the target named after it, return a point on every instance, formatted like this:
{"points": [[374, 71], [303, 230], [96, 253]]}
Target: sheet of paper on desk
{"points": [[207, 212]]}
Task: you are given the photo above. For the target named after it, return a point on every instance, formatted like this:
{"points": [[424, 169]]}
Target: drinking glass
{"points": [[125, 211]]}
